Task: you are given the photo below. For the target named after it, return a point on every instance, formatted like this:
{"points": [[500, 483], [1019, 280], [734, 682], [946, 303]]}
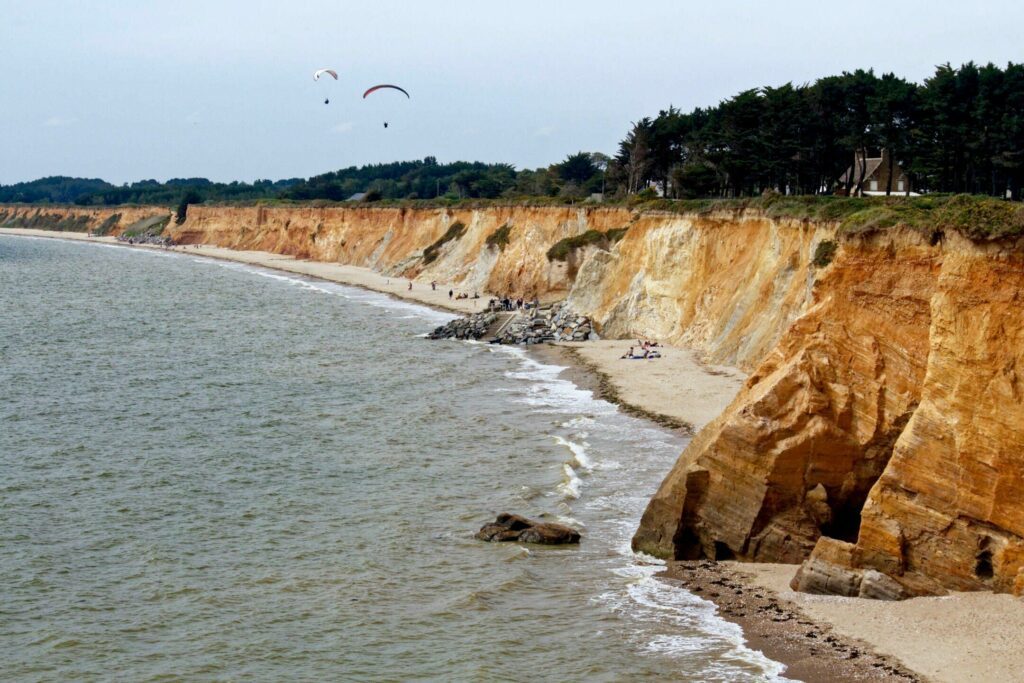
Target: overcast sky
{"points": [[134, 89]]}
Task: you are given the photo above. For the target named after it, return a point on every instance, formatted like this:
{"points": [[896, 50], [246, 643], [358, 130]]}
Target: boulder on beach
{"points": [[508, 527]]}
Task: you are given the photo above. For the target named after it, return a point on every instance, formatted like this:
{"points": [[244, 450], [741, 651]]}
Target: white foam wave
{"points": [[570, 486], [580, 458]]}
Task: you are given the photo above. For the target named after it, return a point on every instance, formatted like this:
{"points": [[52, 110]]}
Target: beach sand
{"points": [[961, 637], [678, 385], [955, 638]]}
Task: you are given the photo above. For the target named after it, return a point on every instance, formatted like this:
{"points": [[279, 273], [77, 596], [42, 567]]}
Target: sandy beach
{"points": [[961, 637], [679, 385], [955, 638]]}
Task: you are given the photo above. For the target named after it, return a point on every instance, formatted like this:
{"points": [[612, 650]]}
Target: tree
{"points": [[577, 168], [892, 110], [190, 197]]}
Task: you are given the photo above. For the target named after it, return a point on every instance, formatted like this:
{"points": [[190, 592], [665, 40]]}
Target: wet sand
{"points": [[812, 649]]}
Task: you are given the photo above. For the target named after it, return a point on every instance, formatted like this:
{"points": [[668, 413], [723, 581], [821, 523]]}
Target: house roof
{"points": [[357, 197], [869, 170]]}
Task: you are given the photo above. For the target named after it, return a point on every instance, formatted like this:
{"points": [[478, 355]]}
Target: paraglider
{"points": [[320, 72], [385, 86]]}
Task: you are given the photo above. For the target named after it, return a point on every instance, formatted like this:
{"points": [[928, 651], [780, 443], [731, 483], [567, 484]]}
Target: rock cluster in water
{"points": [[508, 527], [471, 327], [147, 238], [557, 323]]}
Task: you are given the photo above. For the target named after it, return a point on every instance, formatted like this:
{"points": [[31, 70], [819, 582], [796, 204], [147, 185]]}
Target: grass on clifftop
{"points": [[978, 217]]}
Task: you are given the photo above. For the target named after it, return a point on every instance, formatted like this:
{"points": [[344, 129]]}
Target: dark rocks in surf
{"points": [[508, 527], [530, 326], [471, 327]]}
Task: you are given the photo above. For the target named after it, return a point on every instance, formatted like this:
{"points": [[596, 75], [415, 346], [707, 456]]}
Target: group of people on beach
{"points": [[451, 292], [507, 303], [648, 350]]}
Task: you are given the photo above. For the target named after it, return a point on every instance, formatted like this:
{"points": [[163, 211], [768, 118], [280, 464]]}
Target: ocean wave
{"points": [[580, 459], [570, 486]]}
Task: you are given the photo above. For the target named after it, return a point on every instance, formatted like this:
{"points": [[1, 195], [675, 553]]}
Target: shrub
{"points": [[500, 237], [561, 250], [154, 225], [454, 232], [107, 225], [373, 195], [824, 253], [190, 197]]}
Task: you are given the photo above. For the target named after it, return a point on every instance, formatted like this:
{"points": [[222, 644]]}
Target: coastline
{"points": [[811, 647], [679, 392], [354, 276]]}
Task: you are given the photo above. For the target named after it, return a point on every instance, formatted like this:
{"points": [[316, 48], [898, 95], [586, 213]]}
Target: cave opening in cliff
{"points": [[983, 565], [723, 552], [688, 546], [845, 522]]}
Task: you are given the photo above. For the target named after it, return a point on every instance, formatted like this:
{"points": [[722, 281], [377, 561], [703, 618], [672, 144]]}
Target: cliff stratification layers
{"points": [[884, 433]]}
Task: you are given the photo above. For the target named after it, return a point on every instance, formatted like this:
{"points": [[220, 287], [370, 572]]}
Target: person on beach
{"points": [[451, 293], [433, 285], [410, 285], [628, 354]]}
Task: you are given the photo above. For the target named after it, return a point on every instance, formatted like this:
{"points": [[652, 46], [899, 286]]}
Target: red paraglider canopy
{"points": [[385, 85]]}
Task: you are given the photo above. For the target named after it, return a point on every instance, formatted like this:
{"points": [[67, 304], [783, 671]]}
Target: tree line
{"points": [[962, 130]]}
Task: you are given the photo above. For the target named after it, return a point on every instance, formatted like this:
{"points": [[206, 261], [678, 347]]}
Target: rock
{"points": [[877, 586], [508, 527]]}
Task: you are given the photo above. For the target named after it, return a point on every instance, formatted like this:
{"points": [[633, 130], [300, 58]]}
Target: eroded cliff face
{"points": [[884, 433], [108, 220], [392, 240], [948, 512], [727, 285]]}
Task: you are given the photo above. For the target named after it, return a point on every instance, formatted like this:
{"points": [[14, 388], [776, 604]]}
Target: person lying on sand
{"points": [[628, 354]]}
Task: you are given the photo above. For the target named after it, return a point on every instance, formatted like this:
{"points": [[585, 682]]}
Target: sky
{"points": [[127, 90]]}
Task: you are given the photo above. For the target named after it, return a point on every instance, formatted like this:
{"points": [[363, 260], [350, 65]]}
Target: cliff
{"points": [[880, 435], [393, 240], [881, 439]]}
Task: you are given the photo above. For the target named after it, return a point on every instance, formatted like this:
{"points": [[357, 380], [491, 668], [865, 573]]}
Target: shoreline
{"points": [[812, 648], [353, 276], [679, 393]]}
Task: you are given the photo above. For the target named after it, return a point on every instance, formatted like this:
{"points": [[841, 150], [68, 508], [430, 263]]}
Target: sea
{"points": [[216, 472]]}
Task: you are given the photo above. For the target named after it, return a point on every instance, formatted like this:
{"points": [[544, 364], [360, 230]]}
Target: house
{"points": [[357, 197], [875, 178]]}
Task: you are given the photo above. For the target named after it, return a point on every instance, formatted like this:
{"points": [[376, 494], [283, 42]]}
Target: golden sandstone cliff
{"points": [[879, 438]]}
